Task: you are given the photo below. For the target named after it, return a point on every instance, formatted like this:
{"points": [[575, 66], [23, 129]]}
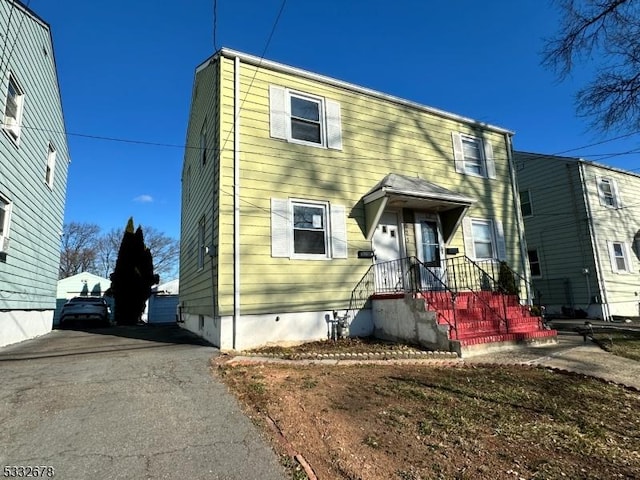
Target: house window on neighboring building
{"points": [[307, 230], [201, 244], [473, 155], [13, 109], [525, 203], [534, 263], [187, 185], [608, 192], [51, 165], [203, 143], [303, 118], [5, 222], [620, 257]]}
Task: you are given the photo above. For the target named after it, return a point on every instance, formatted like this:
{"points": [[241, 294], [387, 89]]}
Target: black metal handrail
{"points": [[465, 274], [406, 275], [363, 291], [494, 267], [441, 286]]}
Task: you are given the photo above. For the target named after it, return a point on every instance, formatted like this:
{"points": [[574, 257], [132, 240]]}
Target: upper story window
{"points": [[608, 192], [203, 143], [51, 165], [5, 222], [13, 109], [303, 118], [473, 155], [525, 203]]}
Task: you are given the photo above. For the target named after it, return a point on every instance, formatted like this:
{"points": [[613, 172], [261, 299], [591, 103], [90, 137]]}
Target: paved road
{"points": [[125, 403]]}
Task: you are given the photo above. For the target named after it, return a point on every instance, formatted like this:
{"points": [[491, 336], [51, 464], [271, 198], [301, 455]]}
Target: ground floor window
{"points": [[534, 263], [311, 230], [620, 257]]}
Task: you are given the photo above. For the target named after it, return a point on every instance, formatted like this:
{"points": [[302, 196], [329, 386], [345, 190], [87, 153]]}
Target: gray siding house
{"points": [[34, 159], [582, 227]]}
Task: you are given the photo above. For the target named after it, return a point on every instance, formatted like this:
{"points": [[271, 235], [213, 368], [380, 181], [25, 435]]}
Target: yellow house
{"points": [[305, 199]]}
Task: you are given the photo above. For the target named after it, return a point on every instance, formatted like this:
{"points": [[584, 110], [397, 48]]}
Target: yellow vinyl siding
{"points": [[412, 143], [378, 137], [197, 283]]}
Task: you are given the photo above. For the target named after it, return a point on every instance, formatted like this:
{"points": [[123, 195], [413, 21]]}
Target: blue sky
{"points": [[126, 71]]}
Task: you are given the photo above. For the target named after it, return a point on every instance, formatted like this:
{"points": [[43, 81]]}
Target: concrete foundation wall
{"points": [[254, 331], [406, 320], [19, 325]]}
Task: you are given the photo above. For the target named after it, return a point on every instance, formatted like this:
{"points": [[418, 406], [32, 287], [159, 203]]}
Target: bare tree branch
{"points": [[78, 248], [605, 33]]}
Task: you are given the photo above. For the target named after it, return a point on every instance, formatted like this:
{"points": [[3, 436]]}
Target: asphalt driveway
{"points": [[125, 403]]}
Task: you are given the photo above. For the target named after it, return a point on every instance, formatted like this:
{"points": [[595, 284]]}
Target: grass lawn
{"points": [[428, 421], [622, 343]]}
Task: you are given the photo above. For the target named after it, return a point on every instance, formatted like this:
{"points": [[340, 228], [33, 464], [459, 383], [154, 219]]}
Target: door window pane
{"points": [[430, 245]]}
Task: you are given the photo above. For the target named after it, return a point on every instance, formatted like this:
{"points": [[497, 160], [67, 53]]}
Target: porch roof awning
{"points": [[400, 191]]}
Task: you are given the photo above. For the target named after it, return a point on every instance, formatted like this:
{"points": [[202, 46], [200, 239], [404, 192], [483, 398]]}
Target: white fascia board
{"points": [[260, 62]]}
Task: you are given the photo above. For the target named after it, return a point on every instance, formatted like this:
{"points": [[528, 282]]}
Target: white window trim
{"points": [[321, 118], [13, 130], [282, 241], [528, 192], [51, 165], [615, 195], [6, 228], [626, 255], [327, 231], [280, 118], [486, 153], [497, 238]]}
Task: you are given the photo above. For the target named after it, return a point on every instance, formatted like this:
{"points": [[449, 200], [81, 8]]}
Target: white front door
{"points": [[386, 249], [430, 251]]}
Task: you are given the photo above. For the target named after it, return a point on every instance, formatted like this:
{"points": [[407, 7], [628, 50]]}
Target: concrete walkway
{"points": [[573, 354]]}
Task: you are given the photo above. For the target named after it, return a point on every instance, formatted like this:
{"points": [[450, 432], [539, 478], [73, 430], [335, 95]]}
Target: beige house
{"points": [[582, 223], [298, 190]]}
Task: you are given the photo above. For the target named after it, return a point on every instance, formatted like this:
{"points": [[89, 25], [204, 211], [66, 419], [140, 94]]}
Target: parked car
{"points": [[87, 310]]}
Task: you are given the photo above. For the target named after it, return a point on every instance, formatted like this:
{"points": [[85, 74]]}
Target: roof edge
{"points": [[280, 67], [579, 160]]}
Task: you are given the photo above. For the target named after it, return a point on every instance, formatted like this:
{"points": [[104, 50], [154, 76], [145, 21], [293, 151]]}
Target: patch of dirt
{"points": [[414, 422], [342, 345]]}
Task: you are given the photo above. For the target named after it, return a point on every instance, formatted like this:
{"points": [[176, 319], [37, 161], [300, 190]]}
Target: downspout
{"points": [[524, 257], [594, 244], [236, 200]]}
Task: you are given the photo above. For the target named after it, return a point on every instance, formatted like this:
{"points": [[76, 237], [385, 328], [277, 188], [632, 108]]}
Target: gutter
{"points": [[520, 221], [298, 72], [236, 200], [594, 245]]}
